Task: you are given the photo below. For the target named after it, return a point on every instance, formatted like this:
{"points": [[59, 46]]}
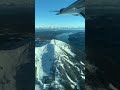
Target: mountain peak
{"points": [[61, 46], [56, 66]]}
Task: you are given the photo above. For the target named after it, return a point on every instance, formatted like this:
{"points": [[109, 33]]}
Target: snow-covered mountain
{"points": [[14, 64], [58, 68]]}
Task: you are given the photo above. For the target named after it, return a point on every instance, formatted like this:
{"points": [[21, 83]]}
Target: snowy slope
{"points": [[57, 67], [13, 61]]}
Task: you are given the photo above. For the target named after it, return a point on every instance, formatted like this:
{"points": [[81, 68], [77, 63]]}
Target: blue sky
{"points": [[45, 18]]}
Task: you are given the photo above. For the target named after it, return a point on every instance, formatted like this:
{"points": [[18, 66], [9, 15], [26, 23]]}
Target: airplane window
{"points": [[60, 45]]}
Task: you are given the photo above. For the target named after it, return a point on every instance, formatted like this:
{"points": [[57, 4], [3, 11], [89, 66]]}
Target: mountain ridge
{"points": [[60, 69]]}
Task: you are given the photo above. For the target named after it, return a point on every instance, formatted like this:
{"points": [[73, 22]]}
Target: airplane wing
{"points": [[76, 9]]}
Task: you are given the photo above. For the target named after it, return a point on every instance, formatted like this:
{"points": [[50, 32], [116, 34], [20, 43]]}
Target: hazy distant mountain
{"points": [[59, 28], [76, 39], [64, 37]]}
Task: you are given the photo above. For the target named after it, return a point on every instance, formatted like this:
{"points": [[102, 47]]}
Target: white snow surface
{"points": [[49, 56]]}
